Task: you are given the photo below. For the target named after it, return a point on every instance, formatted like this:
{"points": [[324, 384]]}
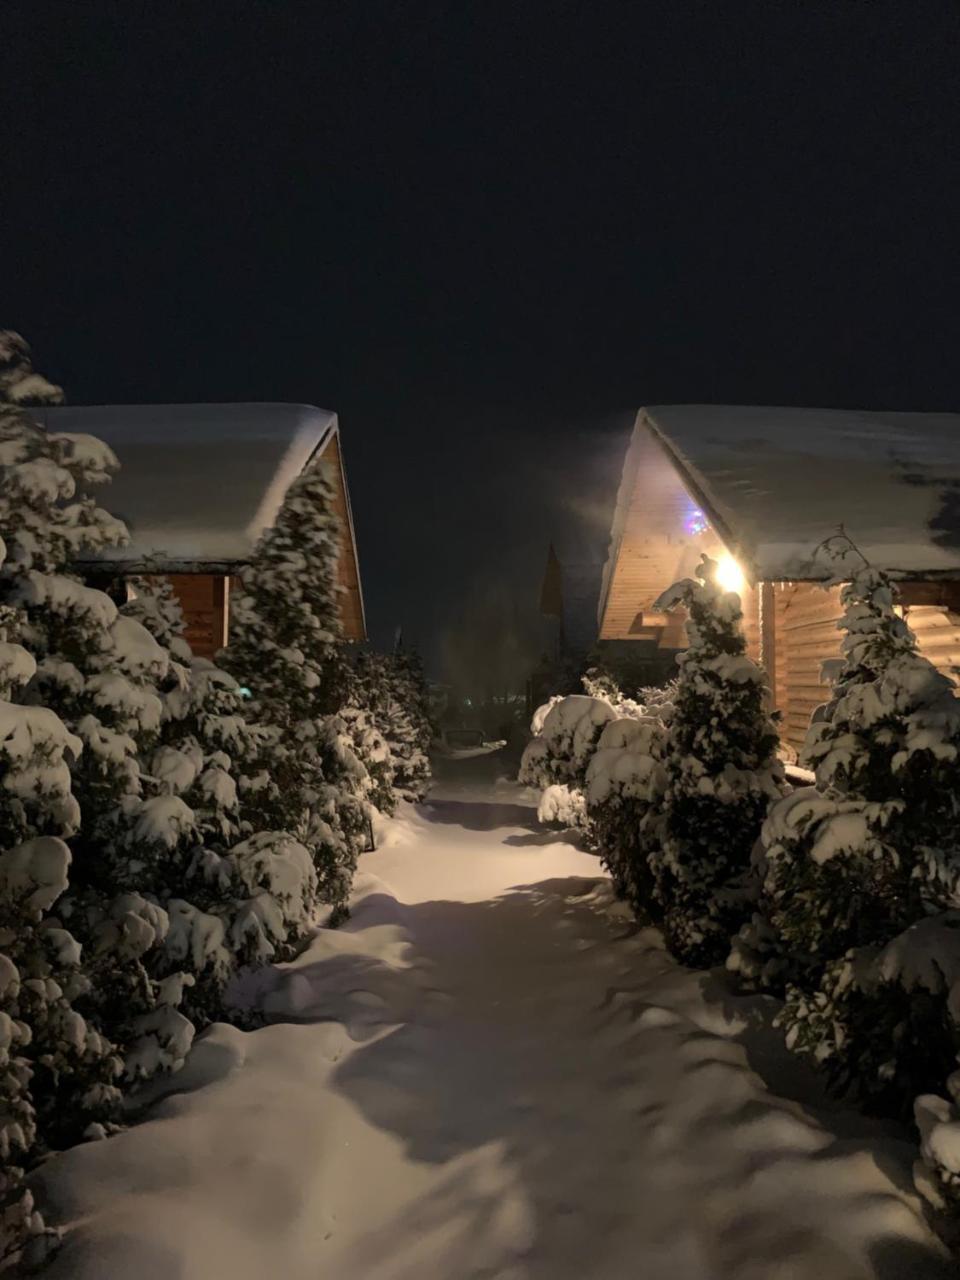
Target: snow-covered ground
{"points": [[490, 1072]]}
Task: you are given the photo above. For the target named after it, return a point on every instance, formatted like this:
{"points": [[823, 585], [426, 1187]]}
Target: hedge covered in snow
{"points": [[842, 898], [857, 924], [625, 784]]}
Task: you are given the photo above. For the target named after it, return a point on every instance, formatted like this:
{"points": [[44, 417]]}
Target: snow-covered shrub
{"points": [[722, 772], [562, 805], [566, 732], [599, 684], [571, 731], [535, 763], [556, 761], [286, 647], [884, 1022], [541, 713], [625, 782], [937, 1172], [658, 700]]}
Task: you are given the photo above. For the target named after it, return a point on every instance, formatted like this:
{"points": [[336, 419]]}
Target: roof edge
{"points": [[704, 499]]}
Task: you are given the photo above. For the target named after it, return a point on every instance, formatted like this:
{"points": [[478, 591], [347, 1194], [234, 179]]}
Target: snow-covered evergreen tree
{"points": [[286, 647], [43, 1037], [97, 671], [722, 772], [20, 384], [862, 871], [391, 690], [373, 751], [236, 895]]}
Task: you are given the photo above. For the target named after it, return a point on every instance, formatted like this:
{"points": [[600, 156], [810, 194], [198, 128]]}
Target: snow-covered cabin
{"points": [[198, 484], [761, 489]]}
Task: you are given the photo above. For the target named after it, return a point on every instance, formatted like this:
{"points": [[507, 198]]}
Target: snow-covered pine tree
{"points": [[286, 647], [42, 1034], [722, 772], [235, 895], [862, 871], [415, 694], [373, 751], [20, 384], [97, 671], [391, 690]]}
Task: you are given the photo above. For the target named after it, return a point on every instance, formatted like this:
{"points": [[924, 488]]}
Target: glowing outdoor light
{"points": [[729, 574]]}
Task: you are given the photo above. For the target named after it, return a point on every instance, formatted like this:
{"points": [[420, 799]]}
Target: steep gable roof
{"points": [[770, 485], [199, 483]]}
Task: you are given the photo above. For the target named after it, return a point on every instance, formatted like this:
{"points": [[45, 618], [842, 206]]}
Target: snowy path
{"points": [[476, 1079]]}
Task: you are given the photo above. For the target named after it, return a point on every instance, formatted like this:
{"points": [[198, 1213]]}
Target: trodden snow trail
{"points": [[491, 1072]]}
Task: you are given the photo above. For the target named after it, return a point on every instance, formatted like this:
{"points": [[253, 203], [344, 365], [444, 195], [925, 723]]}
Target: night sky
{"points": [[484, 233]]}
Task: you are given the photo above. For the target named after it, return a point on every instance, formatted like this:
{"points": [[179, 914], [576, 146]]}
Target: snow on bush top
{"points": [[627, 761], [573, 725]]}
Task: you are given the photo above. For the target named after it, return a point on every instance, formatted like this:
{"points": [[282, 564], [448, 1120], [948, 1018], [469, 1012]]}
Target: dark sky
{"points": [[484, 233]]}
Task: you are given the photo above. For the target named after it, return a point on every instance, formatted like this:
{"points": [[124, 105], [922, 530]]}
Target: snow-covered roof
{"points": [[775, 483], [198, 483]]}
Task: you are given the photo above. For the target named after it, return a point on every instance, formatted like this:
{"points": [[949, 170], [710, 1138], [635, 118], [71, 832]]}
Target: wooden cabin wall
{"points": [[938, 632], [804, 635], [204, 600], [750, 602], [932, 610], [351, 607]]}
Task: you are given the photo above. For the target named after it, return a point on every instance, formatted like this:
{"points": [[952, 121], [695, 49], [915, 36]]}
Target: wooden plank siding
{"points": [[806, 634], [932, 610], [351, 601], [644, 568], [750, 601], [204, 600]]}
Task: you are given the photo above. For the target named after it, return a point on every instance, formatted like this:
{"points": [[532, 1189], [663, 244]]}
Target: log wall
{"points": [[791, 629], [204, 600]]}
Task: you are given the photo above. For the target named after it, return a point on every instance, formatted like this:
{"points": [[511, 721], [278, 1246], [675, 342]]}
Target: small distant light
{"points": [[245, 692], [696, 523]]}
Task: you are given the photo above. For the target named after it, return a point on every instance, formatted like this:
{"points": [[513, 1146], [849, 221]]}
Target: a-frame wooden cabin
{"points": [[760, 490], [198, 484]]}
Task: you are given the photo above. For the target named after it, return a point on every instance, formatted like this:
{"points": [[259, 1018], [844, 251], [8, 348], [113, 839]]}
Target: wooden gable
{"points": [[352, 616]]}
